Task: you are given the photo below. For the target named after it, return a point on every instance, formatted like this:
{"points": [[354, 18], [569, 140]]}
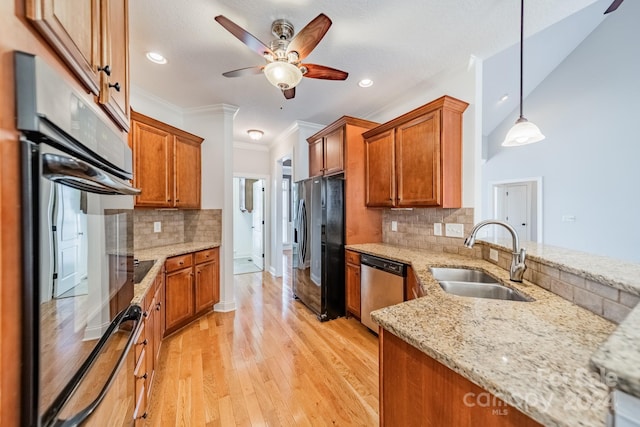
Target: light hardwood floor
{"points": [[268, 363]]}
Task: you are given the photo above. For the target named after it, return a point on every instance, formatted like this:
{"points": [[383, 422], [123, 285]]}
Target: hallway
{"points": [[268, 363]]}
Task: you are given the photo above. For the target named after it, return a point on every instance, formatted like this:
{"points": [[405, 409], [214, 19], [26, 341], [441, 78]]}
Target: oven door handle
{"points": [[81, 175], [134, 313]]}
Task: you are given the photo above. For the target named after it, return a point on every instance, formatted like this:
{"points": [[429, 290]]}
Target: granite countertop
{"points": [[533, 355], [160, 254], [613, 272]]}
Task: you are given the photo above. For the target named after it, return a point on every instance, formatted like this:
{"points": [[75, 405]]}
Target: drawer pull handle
{"points": [[115, 85], [143, 377]]}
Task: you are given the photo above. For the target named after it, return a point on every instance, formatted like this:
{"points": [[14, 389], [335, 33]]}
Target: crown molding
{"points": [[141, 93], [213, 109]]}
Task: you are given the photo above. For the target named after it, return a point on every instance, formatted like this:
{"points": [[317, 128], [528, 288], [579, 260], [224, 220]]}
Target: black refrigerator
{"points": [[318, 246]]}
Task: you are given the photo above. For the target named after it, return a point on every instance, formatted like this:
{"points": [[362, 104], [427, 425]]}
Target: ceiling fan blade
{"points": [[614, 6], [289, 93], [321, 72], [309, 37], [244, 36], [249, 71]]}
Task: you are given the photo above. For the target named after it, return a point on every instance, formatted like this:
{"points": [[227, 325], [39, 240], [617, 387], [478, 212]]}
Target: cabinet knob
{"points": [[158, 305], [145, 314], [177, 200], [143, 377], [181, 262], [116, 86], [144, 416], [168, 200], [106, 69], [145, 342]]}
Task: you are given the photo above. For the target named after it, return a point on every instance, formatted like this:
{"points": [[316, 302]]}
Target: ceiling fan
{"points": [[284, 68], [614, 6]]}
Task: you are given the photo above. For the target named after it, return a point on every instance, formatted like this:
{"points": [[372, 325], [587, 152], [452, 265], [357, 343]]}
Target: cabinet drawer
{"points": [[141, 365], [352, 257], [178, 262], [204, 256], [140, 342]]}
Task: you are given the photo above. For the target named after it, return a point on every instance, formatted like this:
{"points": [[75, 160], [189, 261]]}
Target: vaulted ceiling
{"points": [[399, 45]]}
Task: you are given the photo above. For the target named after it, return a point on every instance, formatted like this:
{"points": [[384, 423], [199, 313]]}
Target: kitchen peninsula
{"points": [[535, 356]]}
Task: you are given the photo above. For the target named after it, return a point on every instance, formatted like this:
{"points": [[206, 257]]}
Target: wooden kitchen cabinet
{"points": [[326, 153], [192, 287], [352, 282], [339, 148], [207, 289], [416, 390], [166, 164], [412, 285], [92, 39], [415, 160]]}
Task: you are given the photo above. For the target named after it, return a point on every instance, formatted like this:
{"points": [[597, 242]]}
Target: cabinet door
{"points": [[316, 158], [187, 173], [153, 165], [334, 152], [158, 320], [379, 173], [205, 286], [72, 27], [178, 298], [149, 331], [418, 162], [114, 88], [353, 289]]}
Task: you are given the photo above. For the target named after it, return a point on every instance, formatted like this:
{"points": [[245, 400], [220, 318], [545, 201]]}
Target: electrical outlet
{"points": [[454, 230], [493, 255], [437, 229], [394, 225], [157, 227]]}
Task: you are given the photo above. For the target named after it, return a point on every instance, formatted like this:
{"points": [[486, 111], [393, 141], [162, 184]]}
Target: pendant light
{"points": [[523, 132]]}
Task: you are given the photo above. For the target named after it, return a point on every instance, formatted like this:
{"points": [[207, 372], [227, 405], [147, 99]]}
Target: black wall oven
{"points": [[78, 322]]}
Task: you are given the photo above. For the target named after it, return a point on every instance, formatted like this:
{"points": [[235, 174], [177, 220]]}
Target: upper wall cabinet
{"points": [[166, 164], [92, 38], [415, 160]]}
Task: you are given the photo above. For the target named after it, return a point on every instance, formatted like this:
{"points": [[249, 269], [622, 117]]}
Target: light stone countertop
{"points": [[160, 254], [613, 272], [533, 355]]}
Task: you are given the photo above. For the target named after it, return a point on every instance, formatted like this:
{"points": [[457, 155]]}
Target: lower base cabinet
{"points": [[191, 287], [416, 390], [352, 283], [147, 347]]}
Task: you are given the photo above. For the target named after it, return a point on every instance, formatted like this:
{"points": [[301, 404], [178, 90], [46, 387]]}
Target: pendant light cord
{"points": [[521, 49]]}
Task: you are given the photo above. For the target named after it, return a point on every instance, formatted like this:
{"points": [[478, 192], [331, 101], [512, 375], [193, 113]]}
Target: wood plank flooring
{"points": [[269, 363]]}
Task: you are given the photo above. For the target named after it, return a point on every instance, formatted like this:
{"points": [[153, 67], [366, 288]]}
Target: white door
{"points": [[258, 224], [67, 218], [513, 207]]}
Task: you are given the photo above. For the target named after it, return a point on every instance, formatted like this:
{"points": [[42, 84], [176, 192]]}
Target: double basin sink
{"points": [[466, 282]]}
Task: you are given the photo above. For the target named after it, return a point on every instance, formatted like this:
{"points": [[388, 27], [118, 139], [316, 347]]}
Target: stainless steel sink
{"points": [[461, 275], [483, 290], [141, 269], [466, 282]]}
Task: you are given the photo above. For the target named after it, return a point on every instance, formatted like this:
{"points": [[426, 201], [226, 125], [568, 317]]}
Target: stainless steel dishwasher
{"points": [[382, 285]]}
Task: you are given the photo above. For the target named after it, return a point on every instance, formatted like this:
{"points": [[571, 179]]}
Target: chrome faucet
{"points": [[517, 255]]}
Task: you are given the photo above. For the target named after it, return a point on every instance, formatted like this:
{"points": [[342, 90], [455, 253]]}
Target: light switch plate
{"points": [[157, 227], [454, 230], [394, 225], [437, 229], [493, 255]]}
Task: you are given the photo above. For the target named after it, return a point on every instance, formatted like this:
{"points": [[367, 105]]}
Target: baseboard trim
{"points": [[225, 306]]}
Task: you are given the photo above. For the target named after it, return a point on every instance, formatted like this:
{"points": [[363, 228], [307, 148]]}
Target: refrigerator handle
{"points": [[134, 313]]}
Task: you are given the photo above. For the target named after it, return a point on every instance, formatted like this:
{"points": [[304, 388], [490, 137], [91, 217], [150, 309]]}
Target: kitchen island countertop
{"points": [[533, 355]]}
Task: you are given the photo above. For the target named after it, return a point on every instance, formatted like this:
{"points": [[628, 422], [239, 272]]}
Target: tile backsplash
{"points": [[177, 226], [415, 229]]}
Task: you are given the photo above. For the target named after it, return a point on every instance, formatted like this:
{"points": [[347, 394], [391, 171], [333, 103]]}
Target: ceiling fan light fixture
{"points": [[255, 134], [522, 133], [283, 75]]}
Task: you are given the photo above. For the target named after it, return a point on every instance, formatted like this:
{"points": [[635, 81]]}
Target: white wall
{"points": [[250, 159], [150, 105], [588, 110]]}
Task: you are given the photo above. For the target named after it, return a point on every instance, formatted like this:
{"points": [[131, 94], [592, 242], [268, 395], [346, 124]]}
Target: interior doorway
{"points": [[248, 225], [519, 203]]}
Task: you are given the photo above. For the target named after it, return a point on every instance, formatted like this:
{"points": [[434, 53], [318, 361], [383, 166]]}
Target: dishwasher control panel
{"points": [[389, 266]]}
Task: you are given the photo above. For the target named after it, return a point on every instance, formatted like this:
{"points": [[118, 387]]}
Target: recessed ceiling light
{"points": [[255, 134], [156, 57], [504, 97], [365, 83]]}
